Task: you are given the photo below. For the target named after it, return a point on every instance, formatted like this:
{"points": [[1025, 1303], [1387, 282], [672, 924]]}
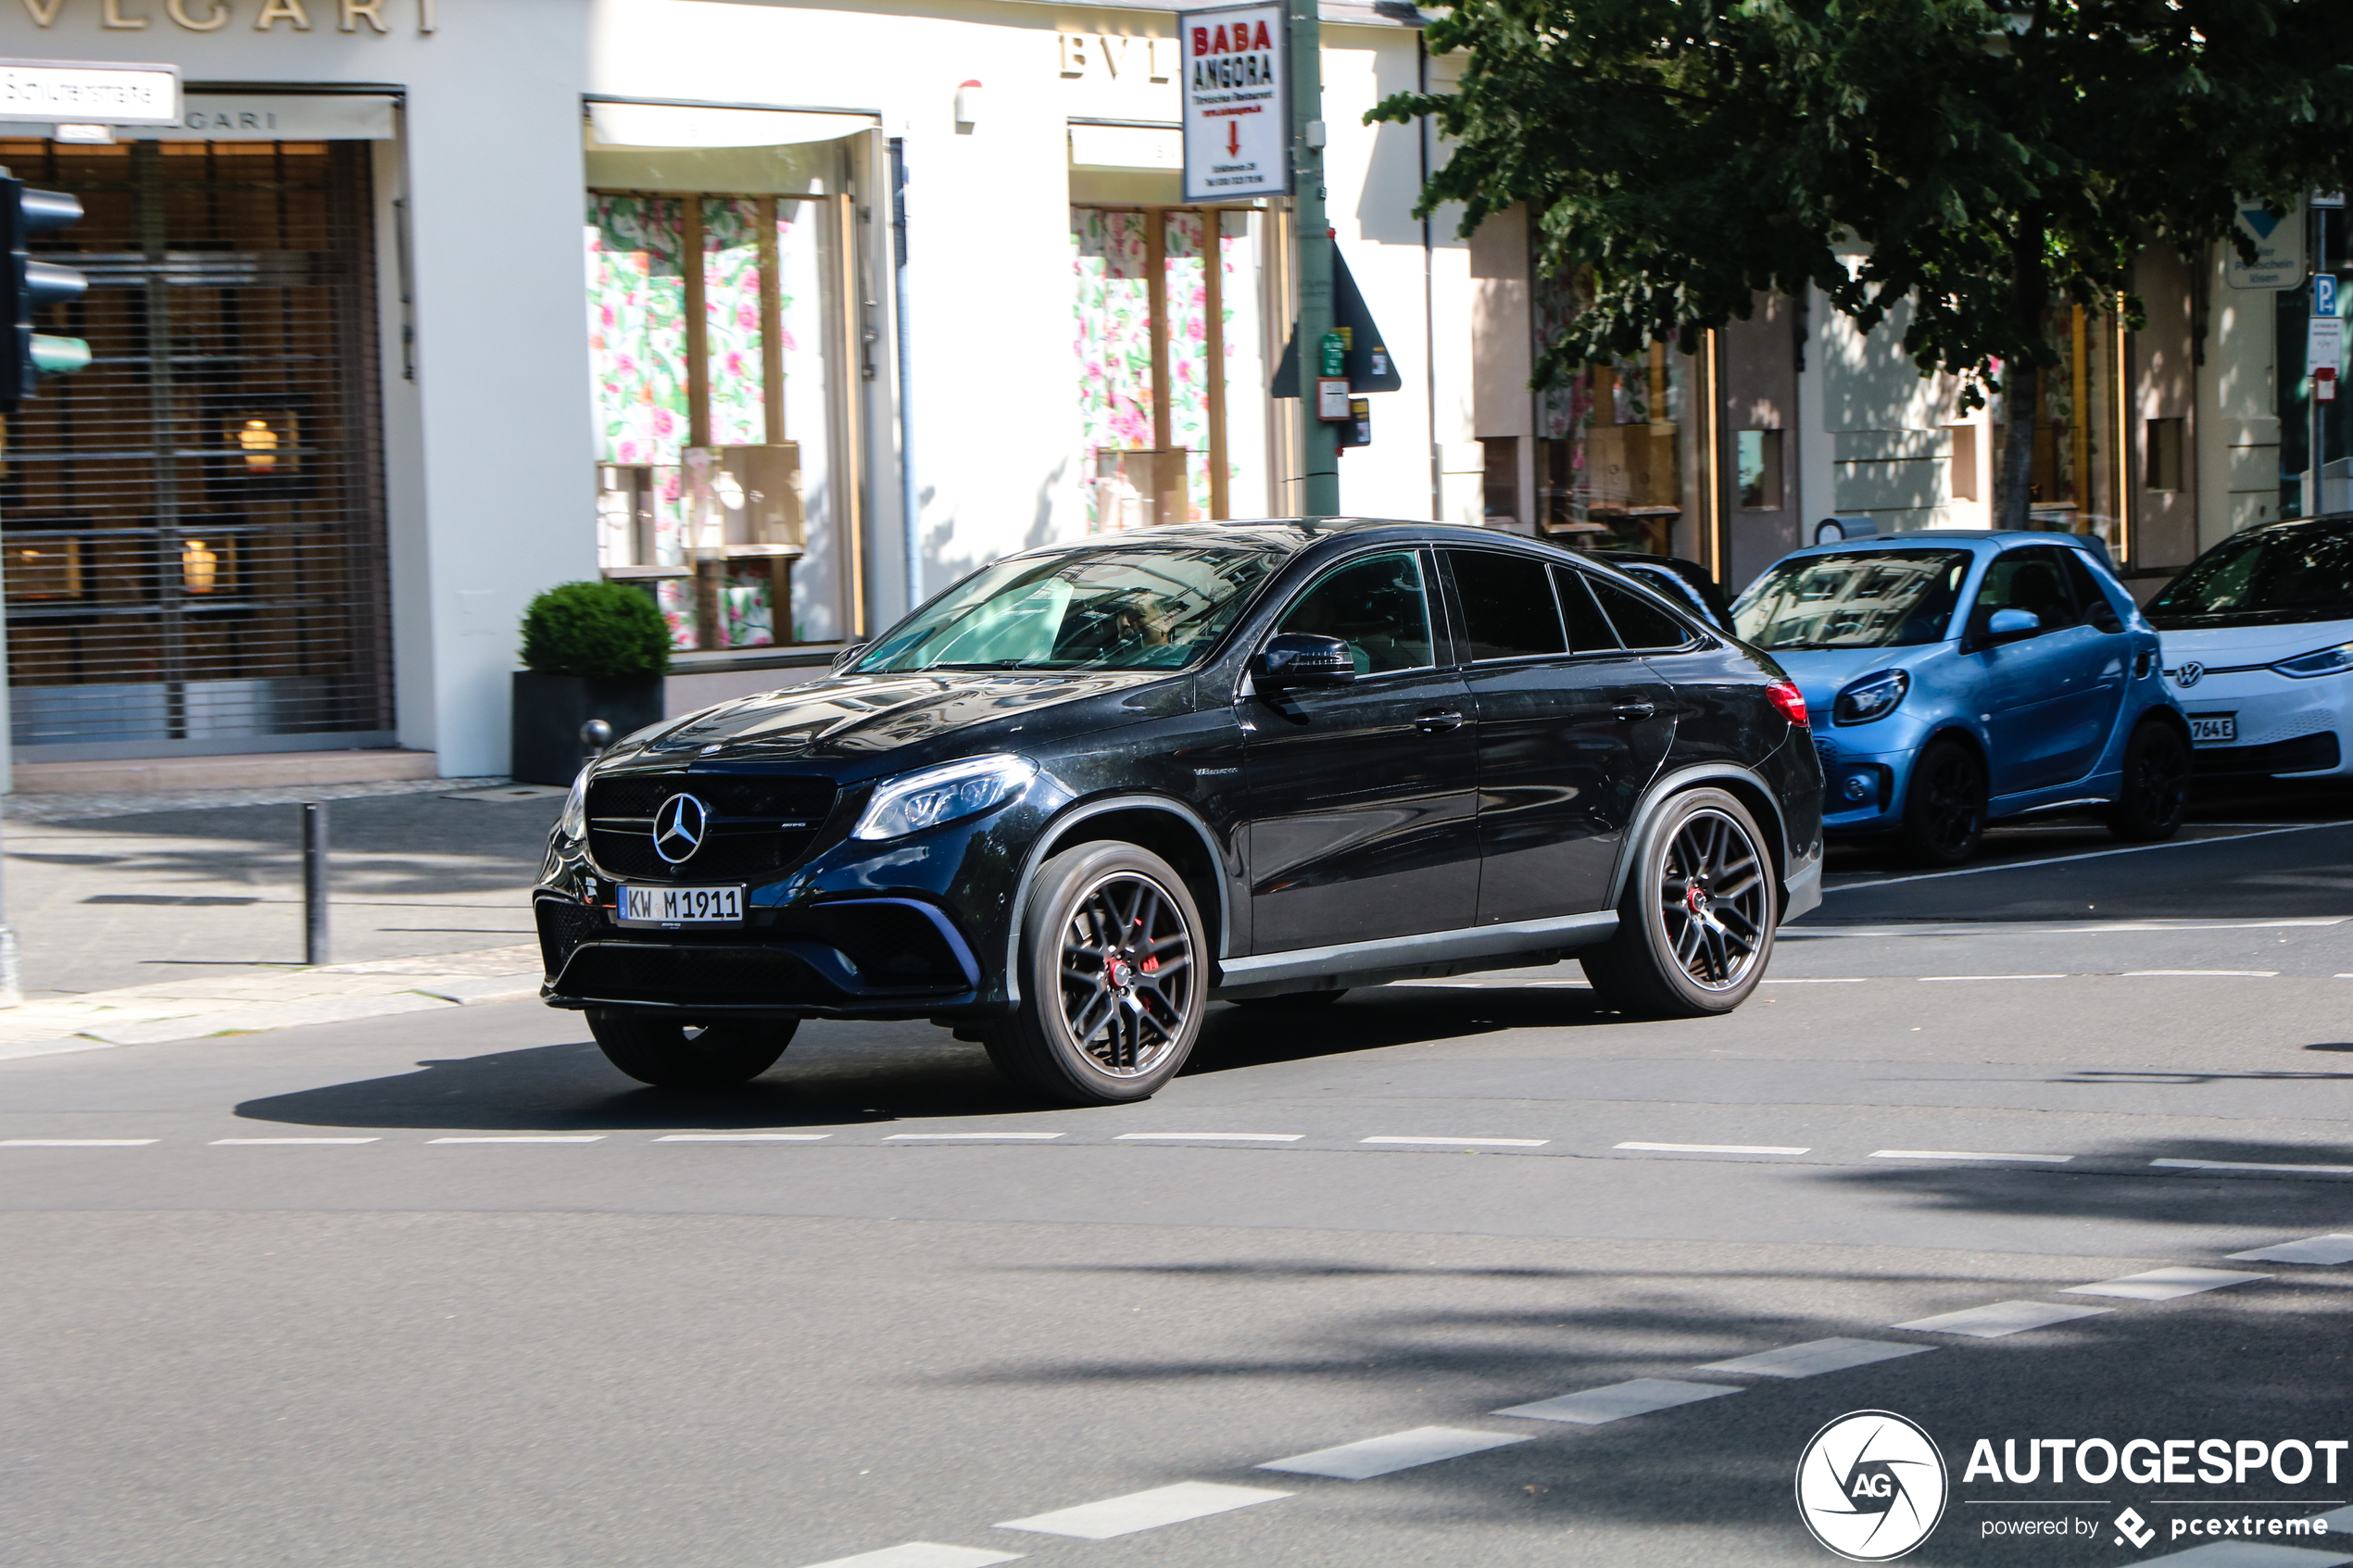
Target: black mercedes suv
{"points": [[1090, 788]]}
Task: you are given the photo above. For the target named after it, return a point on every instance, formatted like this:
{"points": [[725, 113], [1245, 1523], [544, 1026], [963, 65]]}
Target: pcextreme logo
{"points": [[1871, 1485]]}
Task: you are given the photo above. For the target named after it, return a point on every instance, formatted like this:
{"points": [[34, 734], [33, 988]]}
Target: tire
{"points": [[1691, 945], [1292, 1001], [673, 1055], [2154, 794], [1945, 804], [1097, 1026]]}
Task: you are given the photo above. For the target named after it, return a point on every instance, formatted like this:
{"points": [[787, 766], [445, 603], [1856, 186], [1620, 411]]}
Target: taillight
{"points": [[1790, 700]]}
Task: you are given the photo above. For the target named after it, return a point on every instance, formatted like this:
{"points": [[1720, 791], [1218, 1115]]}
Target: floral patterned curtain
{"points": [[637, 353], [736, 363], [1186, 290], [1110, 258]]}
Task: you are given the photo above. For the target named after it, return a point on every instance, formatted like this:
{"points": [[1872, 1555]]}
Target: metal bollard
{"points": [[595, 735], [314, 882]]}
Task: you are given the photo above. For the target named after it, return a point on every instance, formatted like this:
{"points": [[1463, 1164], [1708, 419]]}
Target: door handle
{"points": [[1438, 720], [1631, 710]]}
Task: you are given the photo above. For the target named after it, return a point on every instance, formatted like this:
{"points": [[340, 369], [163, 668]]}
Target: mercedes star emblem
{"points": [[2189, 675], [678, 827]]}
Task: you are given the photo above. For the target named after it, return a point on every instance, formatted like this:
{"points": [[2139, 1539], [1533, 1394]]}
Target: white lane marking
{"points": [[1772, 980], [2165, 1284], [1222, 1137], [1596, 1407], [2249, 1554], [217, 1142], [1711, 1148], [2322, 1249], [756, 1137], [535, 1138], [1966, 1154], [2001, 1318], [2194, 973], [74, 1143], [2055, 928], [965, 1137], [1398, 1450], [1143, 1511], [2089, 855], [1930, 979], [1817, 1356], [1482, 1143], [922, 1554], [2251, 1165]]}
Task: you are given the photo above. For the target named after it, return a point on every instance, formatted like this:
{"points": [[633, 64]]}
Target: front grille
{"points": [[744, 976], [563, 925], [2305, 754], [760, 824]]}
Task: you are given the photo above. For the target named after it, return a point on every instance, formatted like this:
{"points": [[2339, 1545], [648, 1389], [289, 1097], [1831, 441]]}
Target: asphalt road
{"points": [[484, 1302]]}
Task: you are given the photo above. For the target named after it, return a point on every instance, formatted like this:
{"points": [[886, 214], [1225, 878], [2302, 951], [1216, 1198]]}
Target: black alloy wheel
{"points": [[1695, 925], [2154, 794], [676, 1055], [1113, 979], [1944, 807]]}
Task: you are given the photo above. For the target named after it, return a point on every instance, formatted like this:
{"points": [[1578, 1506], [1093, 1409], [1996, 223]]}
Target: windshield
{"points": [[2274, 576], [1132, 606], [1853, 599]]}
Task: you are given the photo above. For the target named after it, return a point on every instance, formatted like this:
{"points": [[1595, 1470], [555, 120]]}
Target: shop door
{"points": [[194, 524]]}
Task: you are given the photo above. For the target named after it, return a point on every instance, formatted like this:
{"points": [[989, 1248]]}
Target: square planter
{"points": [[549, 709]]}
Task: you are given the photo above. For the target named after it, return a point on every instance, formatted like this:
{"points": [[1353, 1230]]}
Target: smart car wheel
{"points": [[1696, 926], [1113, 979], [2153, 795], [676, 1055], [1944, 807]]}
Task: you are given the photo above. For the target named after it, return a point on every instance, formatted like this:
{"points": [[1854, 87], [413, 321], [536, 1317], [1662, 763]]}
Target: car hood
{"points": [[866, 725], [1822, 673], [2221, 646]]}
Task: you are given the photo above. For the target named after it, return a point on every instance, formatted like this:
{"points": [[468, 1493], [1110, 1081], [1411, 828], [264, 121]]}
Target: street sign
{"points": [[2325, 294], [1235, 61], [2279, 248], [88, 93], [1365, 356]]}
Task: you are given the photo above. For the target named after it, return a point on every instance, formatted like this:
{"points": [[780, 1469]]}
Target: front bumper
{"points": [[1863, 784], [2287, 727]]}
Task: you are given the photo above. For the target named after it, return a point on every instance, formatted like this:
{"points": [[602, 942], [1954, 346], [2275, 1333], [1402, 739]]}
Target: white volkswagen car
{"points": [[2258, 636]]}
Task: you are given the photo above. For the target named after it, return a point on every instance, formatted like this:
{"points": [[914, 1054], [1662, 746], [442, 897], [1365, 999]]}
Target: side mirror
{"points": [[849, 657], [1303, 658], [2006, 623]]}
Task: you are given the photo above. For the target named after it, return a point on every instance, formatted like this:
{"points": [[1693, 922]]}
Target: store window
{"points": [[1611, 448], [1161, 438], [716, 295]]}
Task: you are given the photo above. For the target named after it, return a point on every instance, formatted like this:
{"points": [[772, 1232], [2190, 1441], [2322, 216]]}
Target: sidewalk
{"points": [[146, 1015]]}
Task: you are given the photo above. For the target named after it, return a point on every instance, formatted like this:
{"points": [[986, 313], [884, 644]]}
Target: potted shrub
{"points": [[590, 650]]}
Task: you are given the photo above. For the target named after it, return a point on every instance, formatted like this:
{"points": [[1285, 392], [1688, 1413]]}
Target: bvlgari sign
{"points": [[88, 93], [1235, 65]]}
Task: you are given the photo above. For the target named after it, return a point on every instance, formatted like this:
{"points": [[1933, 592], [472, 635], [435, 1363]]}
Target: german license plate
{"points": [[681, 906], [2214, 728]]}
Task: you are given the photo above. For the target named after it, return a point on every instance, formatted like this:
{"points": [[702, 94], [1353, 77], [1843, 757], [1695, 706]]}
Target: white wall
{"points": [[2237, 426]]}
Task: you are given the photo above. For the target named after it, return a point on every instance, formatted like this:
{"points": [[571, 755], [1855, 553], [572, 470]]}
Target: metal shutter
{"points": [[193, 526]]}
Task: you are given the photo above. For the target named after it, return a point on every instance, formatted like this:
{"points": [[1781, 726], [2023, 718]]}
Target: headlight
{"points": [[2319, 661], [931, 795], [1873, 696], [573, 823]]}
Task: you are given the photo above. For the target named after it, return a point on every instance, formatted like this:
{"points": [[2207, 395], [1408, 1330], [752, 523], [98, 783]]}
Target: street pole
{"points": [[1310, 233]]}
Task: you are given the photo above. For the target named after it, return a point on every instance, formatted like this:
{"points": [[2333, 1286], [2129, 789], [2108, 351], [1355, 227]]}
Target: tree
{"points": [[1996, 162]]}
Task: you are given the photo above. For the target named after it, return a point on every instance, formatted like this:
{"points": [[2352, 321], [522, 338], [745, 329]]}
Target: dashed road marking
{"points": [[1398, 1450], [219, 1141], [534, 1137], [1214, 1137], [1143, 1511], [1792, 980], [755, 1137], [922, 1554], [969, 1137], [2202, 974], [1457, 1143], [1930, 979], [1597, 1407], [1710, 1148], [1966, 1154], [1817, 1356], [2001, 1319], [2322, 1249], [74, 1143], [2165, 1284], [2251, 1165]]}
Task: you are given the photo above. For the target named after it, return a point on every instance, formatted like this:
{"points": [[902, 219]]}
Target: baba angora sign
{"points": [[1236, 62]]}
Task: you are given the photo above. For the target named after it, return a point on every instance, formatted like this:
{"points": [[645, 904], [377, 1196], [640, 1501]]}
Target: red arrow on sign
{"points": [[1233, 138]]}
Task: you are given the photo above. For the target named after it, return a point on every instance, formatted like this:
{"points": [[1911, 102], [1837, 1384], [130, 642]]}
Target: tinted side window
{"points": [[2034, 579], [1377, 606], [1641, 624], [1507, 604], [1588, 631], [2089, 598]]}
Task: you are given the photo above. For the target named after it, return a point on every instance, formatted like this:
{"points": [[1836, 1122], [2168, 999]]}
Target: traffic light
{"points": [[33, 286]]}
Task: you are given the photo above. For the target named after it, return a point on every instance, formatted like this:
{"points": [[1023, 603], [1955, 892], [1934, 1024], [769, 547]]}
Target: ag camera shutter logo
{"points": [[1871, 1485]]}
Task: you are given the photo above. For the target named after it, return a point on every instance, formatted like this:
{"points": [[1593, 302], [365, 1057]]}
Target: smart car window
{"points": [[2033, 580], [2269, 576], [1863, 598], [1640, 624], [1588, 630], [2089, 596], [1507, 604], [1132, 606], [1377, 606]]}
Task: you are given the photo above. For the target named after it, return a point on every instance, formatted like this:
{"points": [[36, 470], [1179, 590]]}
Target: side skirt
{"points": [[1405, 957]]}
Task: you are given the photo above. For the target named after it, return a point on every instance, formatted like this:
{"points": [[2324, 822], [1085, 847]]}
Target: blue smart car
{"points": [[1956, 678]]}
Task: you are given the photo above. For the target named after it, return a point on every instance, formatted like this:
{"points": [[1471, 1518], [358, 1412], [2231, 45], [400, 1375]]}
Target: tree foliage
{"points": [[1985, 163]]}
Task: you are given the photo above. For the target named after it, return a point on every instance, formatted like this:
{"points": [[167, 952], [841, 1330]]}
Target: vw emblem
{"points": [[678, 827], [2189, 675]]}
